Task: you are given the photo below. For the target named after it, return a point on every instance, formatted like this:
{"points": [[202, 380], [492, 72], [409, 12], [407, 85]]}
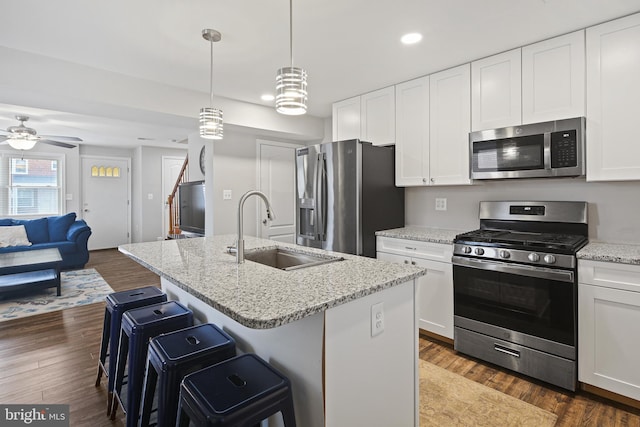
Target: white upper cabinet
{"points": [[412, 132], [450, 121], [496, 91], [613, 91], [553, 79], [378, 116], [370, 117], [346, 119]]}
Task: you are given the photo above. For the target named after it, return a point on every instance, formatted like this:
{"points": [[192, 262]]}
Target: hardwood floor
{"points": [[52, 358]]}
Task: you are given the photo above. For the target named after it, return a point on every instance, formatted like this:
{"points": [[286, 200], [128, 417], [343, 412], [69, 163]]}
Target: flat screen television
{"points": [[192, 206]]}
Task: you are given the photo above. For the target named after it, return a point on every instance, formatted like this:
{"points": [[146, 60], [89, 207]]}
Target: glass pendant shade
{"points": [[291, 91], [20, 142], [211, 123]]}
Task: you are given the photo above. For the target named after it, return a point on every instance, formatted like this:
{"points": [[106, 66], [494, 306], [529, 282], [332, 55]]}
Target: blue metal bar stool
{"points": [[138, 327], [117, 304], [174, 355], [241, 391]]}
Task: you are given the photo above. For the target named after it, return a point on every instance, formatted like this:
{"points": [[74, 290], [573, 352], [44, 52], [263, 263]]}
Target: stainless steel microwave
{"points": [[547, 149]]}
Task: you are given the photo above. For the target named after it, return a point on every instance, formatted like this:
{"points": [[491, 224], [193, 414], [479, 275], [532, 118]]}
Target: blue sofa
{"points": [[65, 232]]}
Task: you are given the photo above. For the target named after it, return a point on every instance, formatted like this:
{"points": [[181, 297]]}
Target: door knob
{"points": [[86, 210]]}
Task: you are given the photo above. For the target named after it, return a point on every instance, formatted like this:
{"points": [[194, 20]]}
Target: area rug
{"points": [[79, 287], [447, 399]]}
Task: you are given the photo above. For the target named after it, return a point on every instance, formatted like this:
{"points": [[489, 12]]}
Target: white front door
{"points": [[171, 167], [277, 180], [106, 188]]}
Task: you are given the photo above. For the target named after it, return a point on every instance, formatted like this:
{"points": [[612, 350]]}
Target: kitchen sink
{"points": [[287, 260]]}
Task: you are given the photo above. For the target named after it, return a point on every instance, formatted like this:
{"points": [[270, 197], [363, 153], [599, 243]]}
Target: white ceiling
{"points": [[348, 47]]}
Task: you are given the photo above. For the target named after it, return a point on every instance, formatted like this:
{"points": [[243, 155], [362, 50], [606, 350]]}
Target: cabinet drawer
{"points": [[610, 275], [413, 248]]}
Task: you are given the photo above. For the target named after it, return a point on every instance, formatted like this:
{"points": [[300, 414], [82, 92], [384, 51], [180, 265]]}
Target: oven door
{"points": [[534, 302]]}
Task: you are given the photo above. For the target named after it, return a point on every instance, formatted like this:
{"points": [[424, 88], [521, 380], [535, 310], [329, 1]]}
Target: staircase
{"points": [[174, 202]]}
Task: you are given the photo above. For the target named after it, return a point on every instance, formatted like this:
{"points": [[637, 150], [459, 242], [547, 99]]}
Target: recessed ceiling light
{"points": [[267, 97], [411, 38]]}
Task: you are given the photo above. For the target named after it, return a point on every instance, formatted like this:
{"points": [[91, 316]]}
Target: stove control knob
{"points": [[479, 251], [534, 257], [466, 249], [504, 254], [549, 259]]}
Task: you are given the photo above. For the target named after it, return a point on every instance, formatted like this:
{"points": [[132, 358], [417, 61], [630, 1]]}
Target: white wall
{"points": [[234, 168], [149, 174], [614, 207]]}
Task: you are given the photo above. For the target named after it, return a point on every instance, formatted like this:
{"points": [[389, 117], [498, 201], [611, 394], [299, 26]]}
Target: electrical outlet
{"points": [[377, 319], [441, 204], [226, 194]]}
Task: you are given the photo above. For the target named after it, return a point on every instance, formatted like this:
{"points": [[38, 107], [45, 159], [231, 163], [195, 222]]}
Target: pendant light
{"points": [[291, 82], [211, 118]]}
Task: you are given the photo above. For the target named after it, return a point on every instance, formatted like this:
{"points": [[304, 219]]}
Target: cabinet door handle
{"points": [[433, 180], [413, 263], [406, 261], [410, 248]]}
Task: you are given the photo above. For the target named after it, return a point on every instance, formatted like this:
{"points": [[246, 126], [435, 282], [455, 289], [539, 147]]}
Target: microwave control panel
{"points": [[564, 149]]}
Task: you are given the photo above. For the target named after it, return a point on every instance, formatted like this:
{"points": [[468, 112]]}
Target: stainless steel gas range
{"points": [[515, 288]]}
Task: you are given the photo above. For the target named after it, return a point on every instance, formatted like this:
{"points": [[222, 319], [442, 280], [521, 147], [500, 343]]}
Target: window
{"points": [[31, 186]]}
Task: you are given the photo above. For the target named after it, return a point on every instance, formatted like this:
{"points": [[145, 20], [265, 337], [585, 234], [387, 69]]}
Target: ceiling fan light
{"points": [[22, 142], [291, 91], [211, 123]]}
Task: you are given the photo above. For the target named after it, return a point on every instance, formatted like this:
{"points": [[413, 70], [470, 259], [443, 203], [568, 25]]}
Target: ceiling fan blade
{"points": [[57, 143], [62, 138], [3, 138]]}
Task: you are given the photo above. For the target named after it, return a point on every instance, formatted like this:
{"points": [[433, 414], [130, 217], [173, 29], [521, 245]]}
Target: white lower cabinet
{"points": [[435, 289], [608, 326]]}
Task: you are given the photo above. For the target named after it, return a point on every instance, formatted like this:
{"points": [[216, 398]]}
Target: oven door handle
{"points": [[522, 270]]}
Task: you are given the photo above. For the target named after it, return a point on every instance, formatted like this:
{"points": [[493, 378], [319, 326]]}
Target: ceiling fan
{"points": [[21, 137]]}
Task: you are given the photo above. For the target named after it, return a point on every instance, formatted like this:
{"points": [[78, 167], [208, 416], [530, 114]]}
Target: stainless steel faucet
{"points": [[270, 215]]}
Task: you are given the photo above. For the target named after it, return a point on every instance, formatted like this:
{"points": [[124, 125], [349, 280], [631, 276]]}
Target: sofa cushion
{"points": [[37, 229], [59, 225], [15, 235]]}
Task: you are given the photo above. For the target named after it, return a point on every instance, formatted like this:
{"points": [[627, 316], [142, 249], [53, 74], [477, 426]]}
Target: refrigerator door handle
{"points": [[321, 195]]}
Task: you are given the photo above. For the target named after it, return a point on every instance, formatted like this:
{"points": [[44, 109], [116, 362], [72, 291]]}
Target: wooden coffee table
{"points": [[30, 270]]}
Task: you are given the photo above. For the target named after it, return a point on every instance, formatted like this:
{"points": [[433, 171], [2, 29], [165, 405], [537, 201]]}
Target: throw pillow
{"points": [[37, 229], [59, 226], [15, 235]]}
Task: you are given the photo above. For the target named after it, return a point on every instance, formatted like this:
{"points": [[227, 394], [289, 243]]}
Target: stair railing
{"points": [[174, 202]]}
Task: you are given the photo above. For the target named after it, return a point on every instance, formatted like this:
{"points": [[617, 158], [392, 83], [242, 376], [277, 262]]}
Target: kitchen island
{"points": [[345, 332]]}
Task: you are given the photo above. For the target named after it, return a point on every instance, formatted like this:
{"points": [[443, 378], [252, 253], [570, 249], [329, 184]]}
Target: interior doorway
{"points": [[106, 195], [276, 178]]}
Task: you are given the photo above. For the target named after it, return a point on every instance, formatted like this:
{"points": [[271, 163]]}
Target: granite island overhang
{"points": [[315, 324]]}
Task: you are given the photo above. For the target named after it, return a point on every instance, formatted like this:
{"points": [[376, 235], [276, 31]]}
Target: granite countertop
{"points": [[423, 234], [258, 296], [611, 252]]}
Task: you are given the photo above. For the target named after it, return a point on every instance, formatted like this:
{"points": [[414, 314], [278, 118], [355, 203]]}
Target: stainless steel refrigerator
{"points": [[345, 193]]}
